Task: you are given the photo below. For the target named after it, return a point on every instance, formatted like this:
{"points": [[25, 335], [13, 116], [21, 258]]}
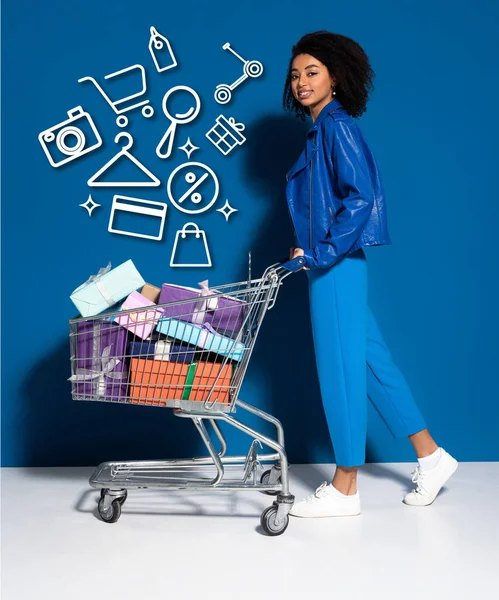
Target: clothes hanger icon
{"points": [[153, 180]]}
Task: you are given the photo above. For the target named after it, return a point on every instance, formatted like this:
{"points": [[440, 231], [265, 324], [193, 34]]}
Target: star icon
{"points": [[227, 210], [89, 205], [188, 147]]}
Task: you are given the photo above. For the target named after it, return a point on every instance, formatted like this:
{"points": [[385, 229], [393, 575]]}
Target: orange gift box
{"points": [[205, 376], [155, 381]]}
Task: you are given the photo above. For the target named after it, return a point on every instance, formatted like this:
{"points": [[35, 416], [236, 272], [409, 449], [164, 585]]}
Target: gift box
{"points": [[142, 322], [163, 350], [153, 382], [203, 336], [208, 376], [100, 367], [106, 288], [151, 292], [222, 312]]}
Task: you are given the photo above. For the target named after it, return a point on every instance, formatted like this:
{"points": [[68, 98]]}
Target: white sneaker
{"points": [[430, 481], [327, 501]]}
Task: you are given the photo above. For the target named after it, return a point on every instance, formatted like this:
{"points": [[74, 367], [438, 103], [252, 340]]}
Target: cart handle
{"points": [[284, 268]]}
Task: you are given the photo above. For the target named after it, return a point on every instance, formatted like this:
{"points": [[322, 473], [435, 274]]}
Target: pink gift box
{"points": [[142, 322]]}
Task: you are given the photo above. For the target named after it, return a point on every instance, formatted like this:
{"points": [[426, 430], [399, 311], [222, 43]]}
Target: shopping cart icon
{"points": [[252, 68], [123, 105]]}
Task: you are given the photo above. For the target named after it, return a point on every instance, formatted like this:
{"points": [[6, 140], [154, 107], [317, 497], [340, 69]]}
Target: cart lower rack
{"points": [[192, 356]]}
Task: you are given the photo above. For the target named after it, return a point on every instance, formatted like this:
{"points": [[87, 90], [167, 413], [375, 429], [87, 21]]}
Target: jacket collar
{"points": [[327, 110], [310, 149]]}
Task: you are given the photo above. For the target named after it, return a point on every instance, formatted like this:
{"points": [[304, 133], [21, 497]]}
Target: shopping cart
{"points": [[192, 356], [120, 106]]}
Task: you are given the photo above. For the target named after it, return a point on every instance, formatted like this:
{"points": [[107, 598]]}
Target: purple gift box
{"points": [[100, 369], [222, 312]]}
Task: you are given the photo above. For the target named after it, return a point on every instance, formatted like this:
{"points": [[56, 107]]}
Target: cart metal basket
{"points": [[192, 356]]}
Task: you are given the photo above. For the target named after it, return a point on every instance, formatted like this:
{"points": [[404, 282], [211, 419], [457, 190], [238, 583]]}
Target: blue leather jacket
{"points": [[334, 192]]}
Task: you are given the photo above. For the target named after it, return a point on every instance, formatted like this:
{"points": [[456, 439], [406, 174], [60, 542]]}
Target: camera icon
{"points": [[70, 139]]}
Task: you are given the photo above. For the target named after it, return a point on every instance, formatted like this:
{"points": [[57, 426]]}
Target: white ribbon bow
{"points": [[107, 370], [99, 285], [204, 304]]}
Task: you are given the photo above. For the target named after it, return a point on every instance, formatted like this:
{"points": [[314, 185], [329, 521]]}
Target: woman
{"points": [[336, 202]]}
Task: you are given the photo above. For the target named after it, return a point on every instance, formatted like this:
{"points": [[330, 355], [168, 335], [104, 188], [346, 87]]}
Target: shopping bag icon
{"points": [[190, 248]]}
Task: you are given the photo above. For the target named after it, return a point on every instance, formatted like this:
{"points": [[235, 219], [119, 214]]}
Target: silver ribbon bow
{"points": [[204, 304], [98, 375], [99, 285]]}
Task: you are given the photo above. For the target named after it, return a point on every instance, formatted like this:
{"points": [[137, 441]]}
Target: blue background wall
{"points": [[432, 124]]}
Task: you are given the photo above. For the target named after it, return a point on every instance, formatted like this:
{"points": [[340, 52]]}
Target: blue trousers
{"points": [[354, 363]]}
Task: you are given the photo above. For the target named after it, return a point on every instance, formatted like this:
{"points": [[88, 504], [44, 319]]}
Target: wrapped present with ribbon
{"points": [[159, 383], [221, 312], [153, 382], [142, 322], [106, 289], [100, 368], [163, 350], [210, 377], [204, 336]]}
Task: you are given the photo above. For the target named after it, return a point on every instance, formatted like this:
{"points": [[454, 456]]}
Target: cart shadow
{"points": [[58, 431], [146, 503]]}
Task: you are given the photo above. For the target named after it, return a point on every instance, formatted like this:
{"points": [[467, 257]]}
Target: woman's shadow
{"points": [[285, 349]]}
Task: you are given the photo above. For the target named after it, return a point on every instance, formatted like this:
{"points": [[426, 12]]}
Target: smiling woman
{"points": [[337, 206], [311, 83]]}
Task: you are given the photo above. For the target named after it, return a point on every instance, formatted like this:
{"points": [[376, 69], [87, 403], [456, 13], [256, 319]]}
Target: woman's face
{"points": [[311, 83]]}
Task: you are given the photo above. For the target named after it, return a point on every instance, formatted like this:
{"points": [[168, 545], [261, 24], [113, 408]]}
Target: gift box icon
{"points": [[226, 134]]}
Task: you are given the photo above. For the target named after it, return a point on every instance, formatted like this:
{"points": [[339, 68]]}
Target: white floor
{"points": [[184, 545]]}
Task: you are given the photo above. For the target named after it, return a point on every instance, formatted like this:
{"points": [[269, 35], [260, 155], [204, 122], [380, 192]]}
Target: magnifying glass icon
{"points": [[166, 142]]}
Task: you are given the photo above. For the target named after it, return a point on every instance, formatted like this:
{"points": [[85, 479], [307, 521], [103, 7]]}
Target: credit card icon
{"points": [[137, 217]]}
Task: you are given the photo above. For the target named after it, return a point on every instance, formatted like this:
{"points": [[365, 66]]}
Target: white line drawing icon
{"points": [[227, 210], [122, 120], [190, 229], [252, 68], [194, 182], [188, 147], [178, 119], [153, 180], [226, 134], [150, 208], [161, 51], [79, 126], [89, 205]]}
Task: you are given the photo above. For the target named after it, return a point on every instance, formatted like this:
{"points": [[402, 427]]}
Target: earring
{"points": [[334, 93]]}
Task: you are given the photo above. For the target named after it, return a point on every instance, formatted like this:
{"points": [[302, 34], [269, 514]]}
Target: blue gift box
{"points": [[203, 336], [162, 350]]}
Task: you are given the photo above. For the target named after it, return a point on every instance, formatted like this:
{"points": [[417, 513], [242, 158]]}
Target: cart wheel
{"points": [[267, 521], [112, 514], [265, 479], [148, 111], [121, 499], [122, 121], [223, 94]]}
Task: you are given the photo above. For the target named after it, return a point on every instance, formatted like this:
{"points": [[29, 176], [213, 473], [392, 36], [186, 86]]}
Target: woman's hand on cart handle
{"points": [[293, 265], [294, 253]]}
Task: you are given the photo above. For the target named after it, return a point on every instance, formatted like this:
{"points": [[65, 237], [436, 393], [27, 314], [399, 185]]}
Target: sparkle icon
{"points": [[188, 147], [227, 210], [90, 205]]}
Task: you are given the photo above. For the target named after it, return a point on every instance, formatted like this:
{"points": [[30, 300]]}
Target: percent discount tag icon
{"points": [[193, 188]]}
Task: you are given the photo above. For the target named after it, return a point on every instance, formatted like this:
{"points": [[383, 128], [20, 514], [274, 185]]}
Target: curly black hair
{"points": [[345, 60]]}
